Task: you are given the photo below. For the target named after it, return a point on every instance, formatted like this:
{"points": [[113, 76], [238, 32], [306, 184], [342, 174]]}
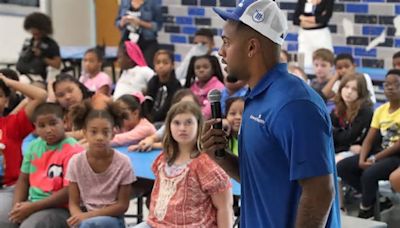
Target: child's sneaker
{"points": [[369, 213], [366, 214]]}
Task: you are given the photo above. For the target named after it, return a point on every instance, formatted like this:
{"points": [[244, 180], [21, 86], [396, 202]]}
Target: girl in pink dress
{"points": [[190, 190], [204, 74]]}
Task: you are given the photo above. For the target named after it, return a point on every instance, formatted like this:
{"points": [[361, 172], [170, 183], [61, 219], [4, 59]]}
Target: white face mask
{"points": [[200, 49]]}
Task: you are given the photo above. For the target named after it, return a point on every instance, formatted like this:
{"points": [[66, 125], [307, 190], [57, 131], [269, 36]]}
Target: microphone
{"points": [[214, 97]]}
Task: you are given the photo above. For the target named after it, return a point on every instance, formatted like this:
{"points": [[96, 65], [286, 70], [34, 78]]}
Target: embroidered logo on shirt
{"points": [[258, 119]]}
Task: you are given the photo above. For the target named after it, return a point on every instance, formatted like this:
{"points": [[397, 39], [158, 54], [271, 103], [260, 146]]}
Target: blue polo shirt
{"points": [[285, 136]]}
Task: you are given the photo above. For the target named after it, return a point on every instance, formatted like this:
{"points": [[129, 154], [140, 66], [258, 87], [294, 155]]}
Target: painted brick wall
{"points": [[370, 18]]}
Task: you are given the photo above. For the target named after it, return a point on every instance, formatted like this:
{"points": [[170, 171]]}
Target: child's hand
{"points": [[365, 164], [135, 147], [337, 75], [78, 218], [144, 145], [21, 211]]}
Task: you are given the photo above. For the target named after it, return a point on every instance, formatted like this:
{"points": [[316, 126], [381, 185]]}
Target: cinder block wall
{"points": [[370, 17]]}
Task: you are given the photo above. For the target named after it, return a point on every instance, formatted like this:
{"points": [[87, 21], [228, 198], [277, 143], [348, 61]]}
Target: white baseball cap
{"points": [[264, 16]]}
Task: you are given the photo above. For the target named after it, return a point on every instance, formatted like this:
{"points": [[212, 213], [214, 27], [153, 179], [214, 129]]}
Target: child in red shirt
{"points": [[14, 128]]}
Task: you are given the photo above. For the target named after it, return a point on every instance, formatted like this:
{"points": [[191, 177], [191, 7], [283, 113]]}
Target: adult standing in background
{"points": [[286, 165], [139, 22], [40, 51], [313, 17]]}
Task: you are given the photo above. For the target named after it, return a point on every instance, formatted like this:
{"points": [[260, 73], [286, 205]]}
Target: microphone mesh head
{"points": [[214, 96]]}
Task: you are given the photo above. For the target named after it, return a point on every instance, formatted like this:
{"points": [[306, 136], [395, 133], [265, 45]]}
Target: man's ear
{"points": [[254, 46]]}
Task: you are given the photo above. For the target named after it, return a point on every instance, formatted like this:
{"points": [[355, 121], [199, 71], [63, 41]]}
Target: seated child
{"points": [[100, 166], [233, 88], [92, 77], [41, 193], [135, 127], [154, 141], [204, 75], [352, 115], [13, 129], [234, 111], [376, 162], [345, 65], [323, 67], [189, 185], [162, 87], [14, 98], [203, 44], [69, 91], [135, 72]]}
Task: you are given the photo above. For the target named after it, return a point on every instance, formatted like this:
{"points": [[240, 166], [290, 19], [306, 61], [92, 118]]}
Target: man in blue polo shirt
{"points": [[287, 170]]}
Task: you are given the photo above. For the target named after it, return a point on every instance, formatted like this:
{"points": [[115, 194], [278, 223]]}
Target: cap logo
{"points": [[241, 3], [258, 16]]}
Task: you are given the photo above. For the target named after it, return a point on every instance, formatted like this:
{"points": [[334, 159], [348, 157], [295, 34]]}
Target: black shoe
{"points": [[366, 214], [387, 204]]}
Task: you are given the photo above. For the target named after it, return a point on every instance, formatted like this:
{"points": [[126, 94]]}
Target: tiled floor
{"points": [[131, 222], [391, 217]]}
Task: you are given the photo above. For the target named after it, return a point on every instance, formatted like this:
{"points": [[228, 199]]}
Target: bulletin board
{"points": [[19, 7]]}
